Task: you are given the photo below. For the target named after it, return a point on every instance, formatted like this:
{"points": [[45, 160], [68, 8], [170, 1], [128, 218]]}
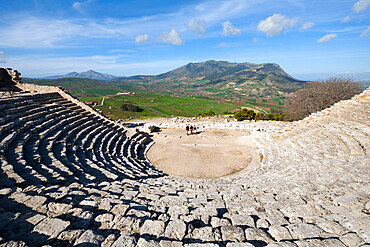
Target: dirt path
{"points": [[210, 154]]}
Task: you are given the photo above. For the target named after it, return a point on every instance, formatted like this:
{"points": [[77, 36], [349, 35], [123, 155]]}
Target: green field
{"points": [[153, 105]]}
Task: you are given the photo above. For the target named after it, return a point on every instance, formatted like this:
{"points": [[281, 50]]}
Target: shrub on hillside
{"points": [[317, 96], [259, 116], [130, 107], [244, 114], [251, 115], [209, 113]]}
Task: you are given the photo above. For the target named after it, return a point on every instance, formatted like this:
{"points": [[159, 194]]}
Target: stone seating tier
{"points": [[71, 177]]}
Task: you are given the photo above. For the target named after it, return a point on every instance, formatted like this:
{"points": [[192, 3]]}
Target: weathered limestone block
{"points": [[36, 203], [138, 213], [175, 229], [6, 191], [304, 231], [257, 234], [70, 235], [216, 222], [105, 220], [365, 235], [205, 213], [262, 223], [242, 220], [351, 239], [332, 227], [279, 233], [105, 204], [167, 243], [88, 204], [202, 233], [33, 218], [124, 241], [301, 210], [51, 227], [119, 209], [152, 227], [126, 224], [175, 211], [232, 233], [142, 242], [163, 217], [89, 238], [108, 241], [275, 217], [57, 209], [358, 224]]}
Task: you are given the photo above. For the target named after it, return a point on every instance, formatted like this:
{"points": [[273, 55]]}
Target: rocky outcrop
{"points": [[8, 79]]}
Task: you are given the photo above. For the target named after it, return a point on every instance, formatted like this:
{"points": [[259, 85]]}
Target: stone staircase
{"points": [[71, 177]]}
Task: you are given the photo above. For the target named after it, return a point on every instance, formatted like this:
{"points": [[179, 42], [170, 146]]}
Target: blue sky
{"points": [[309, 39]]}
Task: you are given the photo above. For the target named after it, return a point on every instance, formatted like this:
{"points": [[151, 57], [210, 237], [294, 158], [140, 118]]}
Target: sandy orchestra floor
{"points": [[208, 154]]}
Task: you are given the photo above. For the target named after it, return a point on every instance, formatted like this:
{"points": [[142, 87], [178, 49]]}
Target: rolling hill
{"points": [[218, 80]]}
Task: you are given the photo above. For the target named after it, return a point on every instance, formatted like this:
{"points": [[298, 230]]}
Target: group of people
{"points": [[191, 128]]}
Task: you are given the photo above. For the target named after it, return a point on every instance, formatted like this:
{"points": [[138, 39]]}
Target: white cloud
{"points": [[345, 19], [2, 57], [255, 39], [275, 24], [29, 65], [229, 29], [77, 5], [365, 33], [307, 25], [197, 26], [142, 38], [360, 5], [173, 37], [327, 38], [39, 32]]}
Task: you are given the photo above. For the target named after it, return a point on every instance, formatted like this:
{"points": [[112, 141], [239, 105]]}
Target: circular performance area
{"points": [[207, 154]]}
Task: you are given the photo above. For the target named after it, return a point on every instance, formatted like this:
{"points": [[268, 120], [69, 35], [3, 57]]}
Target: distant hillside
{"points": [[219, 80], [79, 87], [90, 74]]}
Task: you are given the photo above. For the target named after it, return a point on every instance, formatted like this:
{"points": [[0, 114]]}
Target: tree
{"points": [[259, 116], [319, 95], [130, 107], [244, 114], [209, 113]]}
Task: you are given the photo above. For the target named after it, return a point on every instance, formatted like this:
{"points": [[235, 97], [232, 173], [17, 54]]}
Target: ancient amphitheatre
{"points": [[71, 177]]}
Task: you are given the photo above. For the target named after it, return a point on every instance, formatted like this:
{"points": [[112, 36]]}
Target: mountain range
{"points": [[220, 80], [90, 74]]}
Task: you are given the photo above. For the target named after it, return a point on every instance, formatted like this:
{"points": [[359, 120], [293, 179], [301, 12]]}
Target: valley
{"points": [[224, 86]]}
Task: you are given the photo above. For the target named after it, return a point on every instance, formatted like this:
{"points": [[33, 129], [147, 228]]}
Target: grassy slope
{"points": [[159, 105]]}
